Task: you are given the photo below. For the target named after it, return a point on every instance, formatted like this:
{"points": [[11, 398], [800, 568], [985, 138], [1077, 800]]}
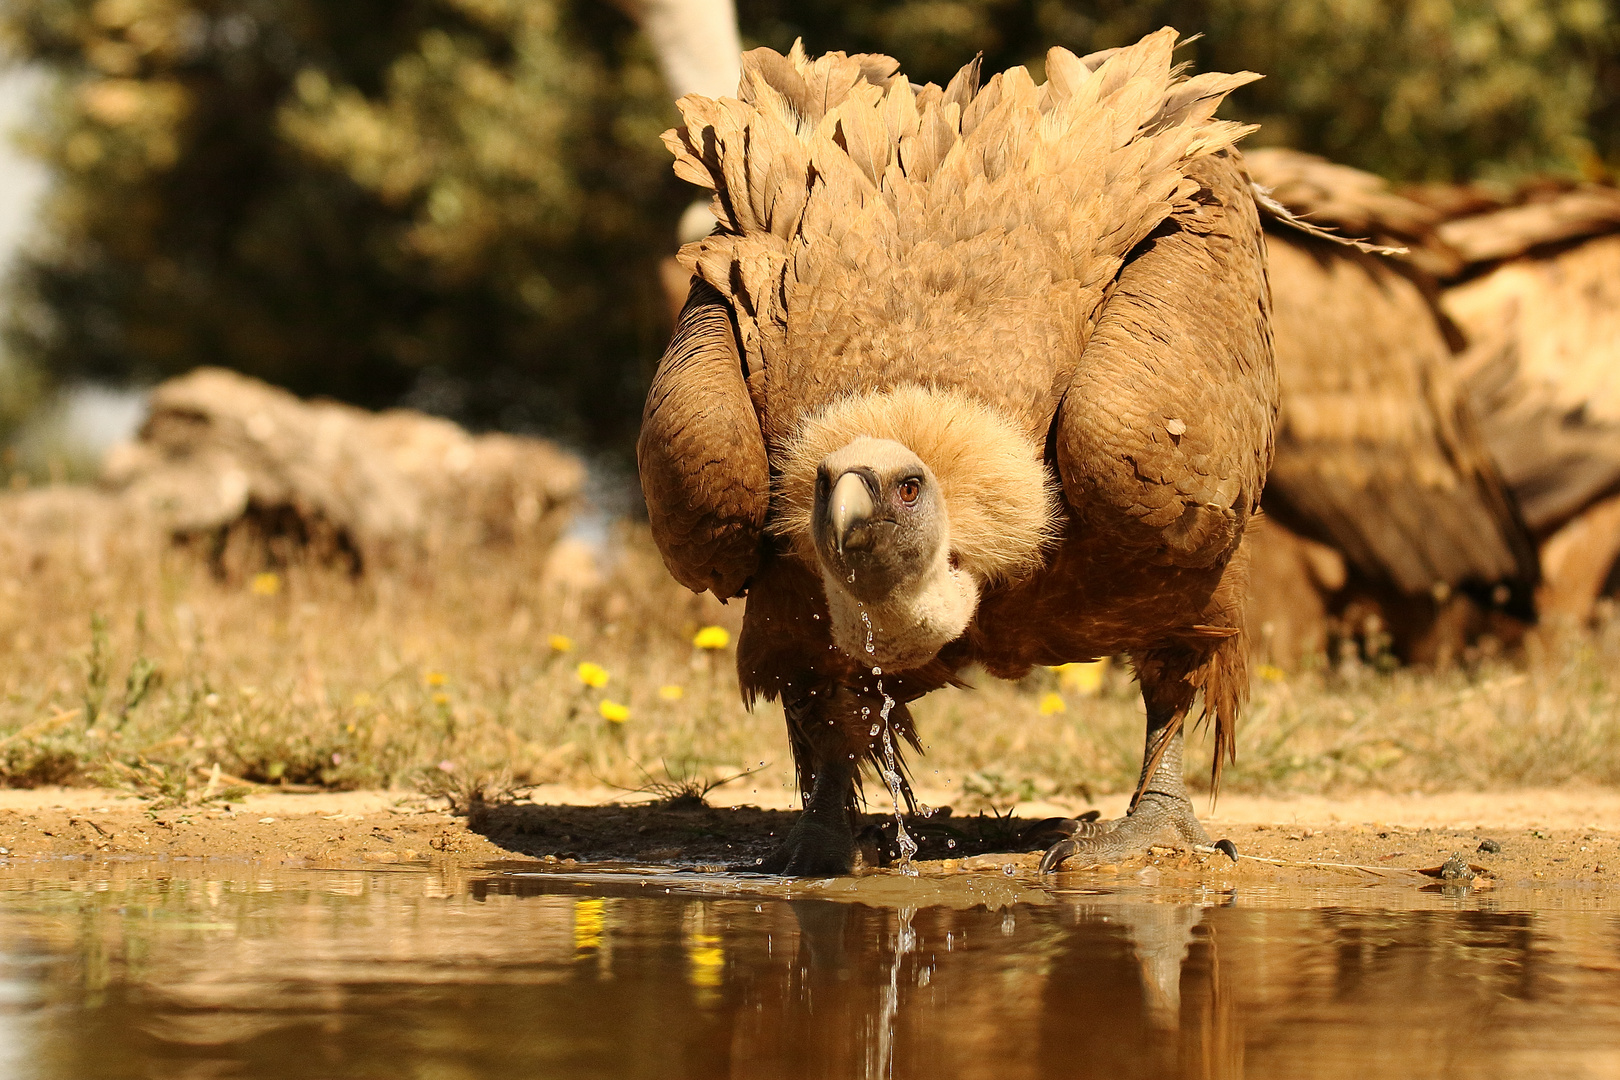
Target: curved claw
{"points": [[1056, 854], [1225, 845]]}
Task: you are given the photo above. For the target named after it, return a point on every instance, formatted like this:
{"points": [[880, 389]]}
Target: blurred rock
{"points": [[255, 474], [69, 522]]}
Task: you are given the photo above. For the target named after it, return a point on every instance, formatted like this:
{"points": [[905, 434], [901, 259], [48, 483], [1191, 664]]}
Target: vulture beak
{"points": [[850, 505]]}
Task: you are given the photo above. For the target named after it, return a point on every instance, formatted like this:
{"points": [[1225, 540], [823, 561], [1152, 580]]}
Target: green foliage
{"points": [[1412, 89], [460, 204], [20, 395]]}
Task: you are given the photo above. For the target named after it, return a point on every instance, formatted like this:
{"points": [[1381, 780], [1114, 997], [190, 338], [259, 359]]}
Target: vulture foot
{"points": [[822, 842], [1158, 819], [814, 847]]}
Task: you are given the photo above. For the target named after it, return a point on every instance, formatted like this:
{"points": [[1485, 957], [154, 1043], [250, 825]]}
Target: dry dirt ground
{"points": [[1565, 835]]}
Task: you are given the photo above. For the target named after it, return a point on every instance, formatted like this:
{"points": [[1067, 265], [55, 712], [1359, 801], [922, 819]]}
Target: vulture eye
{"points": [[909, 489]]}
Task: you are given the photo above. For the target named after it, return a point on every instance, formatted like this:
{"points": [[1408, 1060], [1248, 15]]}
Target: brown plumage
{"points": [[1377, 450], [1538, 297], [968, 375]]}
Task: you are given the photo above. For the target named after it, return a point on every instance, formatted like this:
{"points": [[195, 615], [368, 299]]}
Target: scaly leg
{"points": [[1161, 813], [822, 842]]}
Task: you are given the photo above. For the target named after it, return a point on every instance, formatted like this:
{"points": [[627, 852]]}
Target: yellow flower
{"points": [[671, 693], [1083, 679], [1272, 673], [435, 678], [441, 698], [1052, 703], [592, 675], [560, 643], [362, 699], [712, 637], [613, 711], [265, 584]]}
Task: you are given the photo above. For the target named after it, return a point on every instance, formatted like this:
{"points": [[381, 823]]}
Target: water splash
{"points": [[889, 764]]}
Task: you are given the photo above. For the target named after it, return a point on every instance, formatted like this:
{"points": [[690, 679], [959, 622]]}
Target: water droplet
{"points": [[950, 843], [875, 730]]}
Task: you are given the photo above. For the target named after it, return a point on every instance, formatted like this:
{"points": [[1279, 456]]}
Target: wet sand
{"points": [[1566, 835]]}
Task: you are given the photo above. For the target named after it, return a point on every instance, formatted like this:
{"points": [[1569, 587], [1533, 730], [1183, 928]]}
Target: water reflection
{"points": [[147, 970]]}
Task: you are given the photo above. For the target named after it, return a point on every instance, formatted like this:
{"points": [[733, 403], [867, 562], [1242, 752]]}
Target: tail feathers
{"points": [[1224, 679]]}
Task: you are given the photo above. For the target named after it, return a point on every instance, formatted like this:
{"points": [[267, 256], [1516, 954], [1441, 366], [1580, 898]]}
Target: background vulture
{"points": [[972, 375], [1537, 294], [1384, 491]]}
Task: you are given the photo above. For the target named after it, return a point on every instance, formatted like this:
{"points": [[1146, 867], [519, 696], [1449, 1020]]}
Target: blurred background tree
{"points": [[1411, 89], [457, 205], [460, 204]]}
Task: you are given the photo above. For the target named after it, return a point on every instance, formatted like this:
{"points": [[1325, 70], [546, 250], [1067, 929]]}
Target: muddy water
{"points": [[218, 969]]}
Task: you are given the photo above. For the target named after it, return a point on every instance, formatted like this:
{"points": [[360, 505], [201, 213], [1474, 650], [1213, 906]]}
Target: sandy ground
{"points": [[1569, 835]]}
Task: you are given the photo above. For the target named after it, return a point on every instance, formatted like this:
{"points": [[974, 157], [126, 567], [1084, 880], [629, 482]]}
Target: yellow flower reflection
{"points": [[593, 675], [707, 958], [590, 921]]}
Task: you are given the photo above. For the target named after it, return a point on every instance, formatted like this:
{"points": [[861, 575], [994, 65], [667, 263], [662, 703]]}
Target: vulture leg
{"points": [[827, 751], [1161, 813]]}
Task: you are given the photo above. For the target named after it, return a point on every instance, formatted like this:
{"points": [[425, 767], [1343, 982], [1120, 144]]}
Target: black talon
{"points": [[1228, 847], [1056, 854], [1090, 815]]}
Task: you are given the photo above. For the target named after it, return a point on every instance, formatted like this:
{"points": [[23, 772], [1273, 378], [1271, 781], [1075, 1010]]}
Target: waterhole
{"points": [[112, 969]]}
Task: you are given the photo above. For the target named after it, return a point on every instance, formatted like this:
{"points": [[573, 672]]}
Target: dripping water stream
{"points": [[890, 762]]}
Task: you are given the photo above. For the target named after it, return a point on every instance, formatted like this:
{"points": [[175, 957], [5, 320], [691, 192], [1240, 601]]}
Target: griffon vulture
{"points": [[1378, 456], [1538, 297], [972, 375]]}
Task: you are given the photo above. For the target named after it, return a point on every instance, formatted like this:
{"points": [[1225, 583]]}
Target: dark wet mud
{"points": [[215, 968]]}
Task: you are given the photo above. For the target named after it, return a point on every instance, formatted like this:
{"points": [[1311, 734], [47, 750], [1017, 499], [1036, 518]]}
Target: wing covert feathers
{"points": [[861, 221], [701, 456], [1169, 417]]}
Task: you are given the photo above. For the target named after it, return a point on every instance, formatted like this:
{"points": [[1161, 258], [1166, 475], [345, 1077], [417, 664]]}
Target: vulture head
{"points": [[881, 530], [908, 503]]}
